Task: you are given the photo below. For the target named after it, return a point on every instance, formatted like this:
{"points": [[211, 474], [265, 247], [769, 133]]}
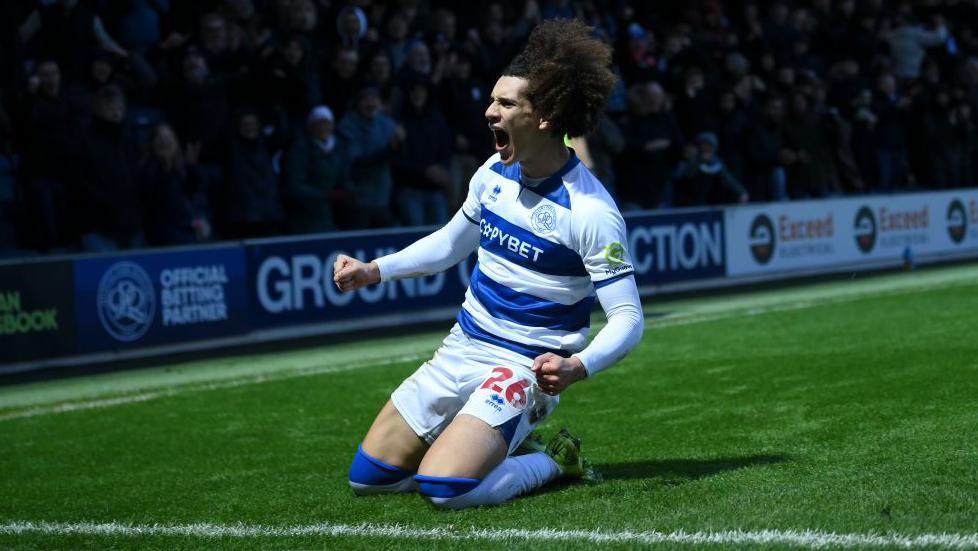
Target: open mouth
{"points": [[500, 137]]}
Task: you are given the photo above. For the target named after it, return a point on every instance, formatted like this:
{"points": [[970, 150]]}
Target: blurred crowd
{"points": [[131, 123]]}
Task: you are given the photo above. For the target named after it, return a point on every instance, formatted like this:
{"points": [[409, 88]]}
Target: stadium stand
{"points": [[157, 122]]}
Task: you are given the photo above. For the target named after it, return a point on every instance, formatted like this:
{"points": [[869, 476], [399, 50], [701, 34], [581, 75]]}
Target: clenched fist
{"points": [[350, 274], [554, 373]]}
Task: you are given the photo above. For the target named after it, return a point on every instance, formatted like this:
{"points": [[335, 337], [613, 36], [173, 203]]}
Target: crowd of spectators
{"points": [[129, 123]]}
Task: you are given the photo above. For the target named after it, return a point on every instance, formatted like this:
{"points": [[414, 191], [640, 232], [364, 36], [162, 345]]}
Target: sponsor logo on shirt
{"points": [[617, 269], [507, 241], [615, 254]]}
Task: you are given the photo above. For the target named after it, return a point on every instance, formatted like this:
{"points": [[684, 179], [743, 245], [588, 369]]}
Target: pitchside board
{"points": [[80, 309]]}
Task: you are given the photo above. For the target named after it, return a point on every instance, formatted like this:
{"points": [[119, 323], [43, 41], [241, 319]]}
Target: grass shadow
{"points": [[677, 471], [667, 471]]}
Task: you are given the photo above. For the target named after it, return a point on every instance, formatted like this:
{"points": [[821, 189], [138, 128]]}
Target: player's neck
{"points": [[548, 160]]}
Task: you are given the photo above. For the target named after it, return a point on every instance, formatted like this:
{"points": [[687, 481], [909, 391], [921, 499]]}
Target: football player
{"points": [[550, 240]]}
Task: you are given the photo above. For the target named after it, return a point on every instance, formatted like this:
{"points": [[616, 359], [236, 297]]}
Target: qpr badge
{"points": [[126, 301], [544, 219]]}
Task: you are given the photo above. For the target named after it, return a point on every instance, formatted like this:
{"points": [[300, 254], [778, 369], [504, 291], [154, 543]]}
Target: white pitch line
{"points": [[801, 538]]}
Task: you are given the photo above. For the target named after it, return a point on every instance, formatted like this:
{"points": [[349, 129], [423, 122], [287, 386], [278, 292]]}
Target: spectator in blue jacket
{"points": [[373, 138]]}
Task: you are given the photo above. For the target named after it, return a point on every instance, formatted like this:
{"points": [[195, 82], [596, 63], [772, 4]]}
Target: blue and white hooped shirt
{"points": [[543, 251]]}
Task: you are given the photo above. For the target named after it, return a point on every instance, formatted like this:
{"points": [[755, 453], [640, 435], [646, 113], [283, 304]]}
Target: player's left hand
{"points": [[554, 373]]}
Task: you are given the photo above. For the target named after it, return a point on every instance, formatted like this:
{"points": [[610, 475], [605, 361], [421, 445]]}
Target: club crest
{"points": [[544, 219]]}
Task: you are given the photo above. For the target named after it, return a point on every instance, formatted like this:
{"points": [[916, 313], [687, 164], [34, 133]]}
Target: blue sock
{"points": [[445, 486], [369, 475], [513, 477]]}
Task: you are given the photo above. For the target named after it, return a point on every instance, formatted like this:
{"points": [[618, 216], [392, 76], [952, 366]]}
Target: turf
{"points": [[842, 407]]}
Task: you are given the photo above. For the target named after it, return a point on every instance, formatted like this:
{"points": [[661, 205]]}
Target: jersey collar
{"points": [[552, 188], [555, 180]]}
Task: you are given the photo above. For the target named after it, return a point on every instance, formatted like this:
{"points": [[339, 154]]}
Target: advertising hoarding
{"points": [[134, 300], [796, 236], [37, 310]]}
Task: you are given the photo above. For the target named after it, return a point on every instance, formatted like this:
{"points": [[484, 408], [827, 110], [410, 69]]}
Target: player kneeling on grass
{"points": [[549, 239]]}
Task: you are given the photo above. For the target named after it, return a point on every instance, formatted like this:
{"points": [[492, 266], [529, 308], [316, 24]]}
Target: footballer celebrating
{"points": [[550, 240]]}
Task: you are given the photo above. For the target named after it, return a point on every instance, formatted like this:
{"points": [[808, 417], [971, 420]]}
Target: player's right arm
{"points": [[429, 255]]}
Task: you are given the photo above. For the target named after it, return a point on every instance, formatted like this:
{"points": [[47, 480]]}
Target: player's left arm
{"points": [[600, 239], [620, 302]]}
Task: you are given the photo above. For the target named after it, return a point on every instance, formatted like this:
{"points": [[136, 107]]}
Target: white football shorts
{"points": [[475, 378]]}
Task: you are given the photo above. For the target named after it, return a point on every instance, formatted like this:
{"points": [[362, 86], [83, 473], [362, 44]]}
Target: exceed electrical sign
{"points": [[787, 237], [779, 236]]}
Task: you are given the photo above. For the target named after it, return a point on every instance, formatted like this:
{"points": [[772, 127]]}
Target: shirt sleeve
{"points": [[433, 253], [472, 207], [442, 249], [620, 302], [603, 244]]}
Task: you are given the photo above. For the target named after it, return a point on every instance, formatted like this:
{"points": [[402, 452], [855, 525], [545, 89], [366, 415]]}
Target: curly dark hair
{"points": [[569, 75]]}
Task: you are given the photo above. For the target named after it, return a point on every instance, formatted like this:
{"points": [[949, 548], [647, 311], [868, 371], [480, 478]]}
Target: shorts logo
{"points": [[126, 301], [615, 254], [957, 221], [761, 239], [864, 229], [544, 219]]}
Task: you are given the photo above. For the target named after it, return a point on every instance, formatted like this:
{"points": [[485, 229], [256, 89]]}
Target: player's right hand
{"points": [[350, 274]]}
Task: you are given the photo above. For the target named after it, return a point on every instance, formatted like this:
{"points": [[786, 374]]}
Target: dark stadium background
{"points": [[173, 191]]}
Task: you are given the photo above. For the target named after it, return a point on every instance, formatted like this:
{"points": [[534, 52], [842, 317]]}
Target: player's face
{"points": [[516, 131]]}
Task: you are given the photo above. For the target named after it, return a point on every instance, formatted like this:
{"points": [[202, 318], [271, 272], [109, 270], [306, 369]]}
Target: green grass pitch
{"points": [[812, 414]]}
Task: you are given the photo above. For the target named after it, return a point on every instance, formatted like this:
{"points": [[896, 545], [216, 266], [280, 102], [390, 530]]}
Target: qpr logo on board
{"points": [[864, 229], [544, 219], [126, 301], [761, 239], [957, 221]]}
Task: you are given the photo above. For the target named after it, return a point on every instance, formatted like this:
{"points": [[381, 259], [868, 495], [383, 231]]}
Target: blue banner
{"points": [[292, 281], [137, 300], [668, 248], [141, 300]]}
